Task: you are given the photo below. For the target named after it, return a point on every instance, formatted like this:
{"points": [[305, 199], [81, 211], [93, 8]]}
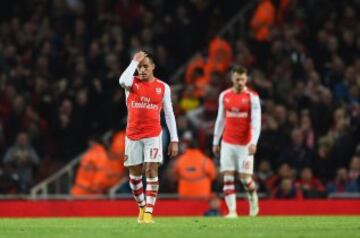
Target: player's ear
{"points": [[152, 65]]}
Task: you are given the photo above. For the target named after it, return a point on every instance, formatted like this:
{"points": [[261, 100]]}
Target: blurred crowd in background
{"points": [[59, 67]]}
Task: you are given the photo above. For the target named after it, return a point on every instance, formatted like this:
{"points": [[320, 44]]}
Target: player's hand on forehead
{"points": [[139, 56]]}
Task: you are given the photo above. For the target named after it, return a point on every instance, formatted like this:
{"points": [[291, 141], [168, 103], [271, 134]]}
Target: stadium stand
{"points": [[60, 61]]}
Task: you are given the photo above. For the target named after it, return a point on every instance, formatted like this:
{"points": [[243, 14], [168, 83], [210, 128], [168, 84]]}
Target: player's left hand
{"points": [[252, 149], [173, 149]]}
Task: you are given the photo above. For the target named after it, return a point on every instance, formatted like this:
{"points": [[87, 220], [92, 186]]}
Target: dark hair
{"points": [[238, 69], [150, 56]]}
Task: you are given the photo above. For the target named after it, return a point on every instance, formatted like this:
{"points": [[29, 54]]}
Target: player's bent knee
{"points": [[151, 170], [135, 170]]}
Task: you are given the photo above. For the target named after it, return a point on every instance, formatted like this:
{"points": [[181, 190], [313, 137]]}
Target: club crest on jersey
{"points": [[158, 90]]}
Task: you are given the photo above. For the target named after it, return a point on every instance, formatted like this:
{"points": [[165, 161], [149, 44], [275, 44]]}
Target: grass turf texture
{"points": [[175, 227]]}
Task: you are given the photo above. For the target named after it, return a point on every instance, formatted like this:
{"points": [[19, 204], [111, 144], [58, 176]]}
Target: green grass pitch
{"points": [[184, 227]]}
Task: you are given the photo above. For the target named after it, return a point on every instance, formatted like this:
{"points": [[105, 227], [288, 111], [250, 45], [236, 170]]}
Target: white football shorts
{"points": [[236, 158], [143, 151]]}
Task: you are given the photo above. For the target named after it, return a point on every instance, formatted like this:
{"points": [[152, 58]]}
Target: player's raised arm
{"points": [[219, 125], [127, 77], [170, 122], [255, 122]]}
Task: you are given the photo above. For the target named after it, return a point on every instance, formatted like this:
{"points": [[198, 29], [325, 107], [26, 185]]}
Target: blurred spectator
{"points": [[85, 175], [264, 172], [280, 114], [262, 20], [354, 174], [67, 131], [342, 147], [101, 166], [341, 183], [297, 155], [272, 141], [261, 24], [214, 207], [242, 55], [219, 57], [195, 70], [202, 119], [321, 109], [287, 190], [20, 160], [194, 171], [285, 171], [189, 101], [324, 166], [112, 171], [306, 127], [310, 186]]}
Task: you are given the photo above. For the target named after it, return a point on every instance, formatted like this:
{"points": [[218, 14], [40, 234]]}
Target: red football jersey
{"points": [[237, 107], [144, 103]]}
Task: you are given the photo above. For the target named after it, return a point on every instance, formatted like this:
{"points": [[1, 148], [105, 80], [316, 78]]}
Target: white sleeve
{"points": [[255, 119], [169, 115], [220, 121], [127, 77]]}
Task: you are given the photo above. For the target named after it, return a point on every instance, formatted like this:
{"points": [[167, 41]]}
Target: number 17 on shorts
{"points": [[153, 150]]}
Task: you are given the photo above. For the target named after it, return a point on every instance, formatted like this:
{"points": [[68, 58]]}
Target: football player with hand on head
{"points": [[146, 96]]}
